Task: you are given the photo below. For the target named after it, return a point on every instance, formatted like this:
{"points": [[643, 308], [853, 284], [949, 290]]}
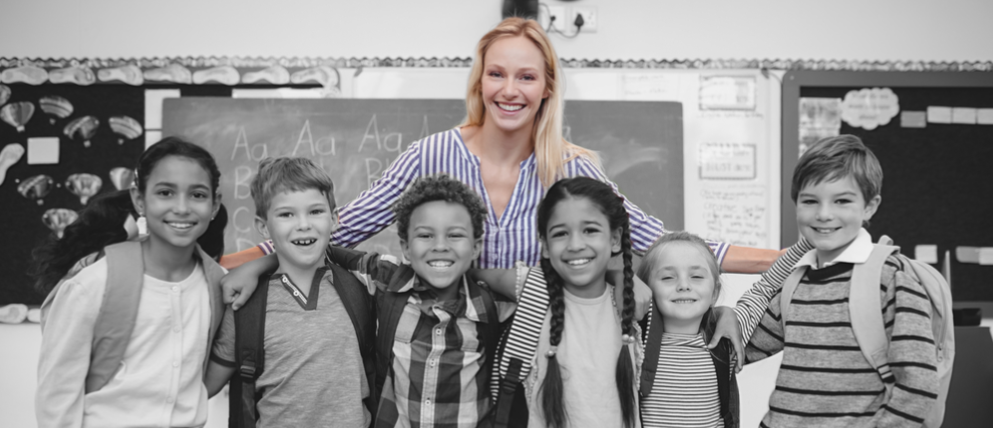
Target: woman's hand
{"points": [[727, 326]]}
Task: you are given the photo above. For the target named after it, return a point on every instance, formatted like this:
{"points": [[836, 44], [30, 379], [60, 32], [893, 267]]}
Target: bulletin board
{"points": [[933, 134]]}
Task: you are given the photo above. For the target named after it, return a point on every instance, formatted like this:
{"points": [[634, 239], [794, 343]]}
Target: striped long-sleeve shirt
{"points": [[824, 379], [506, 239]]}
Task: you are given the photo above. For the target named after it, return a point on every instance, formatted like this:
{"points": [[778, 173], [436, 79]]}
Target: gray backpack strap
{"points": [[118, 312], [865, 309], [786, 294]]}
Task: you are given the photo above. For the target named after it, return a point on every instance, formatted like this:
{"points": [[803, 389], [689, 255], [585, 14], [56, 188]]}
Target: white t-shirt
{"points": [[587, 355]]}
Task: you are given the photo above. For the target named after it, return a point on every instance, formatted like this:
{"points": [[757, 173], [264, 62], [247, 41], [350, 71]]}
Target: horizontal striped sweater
{"points": [[824, 379]]}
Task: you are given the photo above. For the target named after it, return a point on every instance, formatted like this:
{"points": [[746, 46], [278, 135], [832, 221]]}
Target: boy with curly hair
{"points": [[438, 330]]}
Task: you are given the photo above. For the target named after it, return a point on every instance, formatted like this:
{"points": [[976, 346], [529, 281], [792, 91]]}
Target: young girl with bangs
{"points": [[684, 384]]}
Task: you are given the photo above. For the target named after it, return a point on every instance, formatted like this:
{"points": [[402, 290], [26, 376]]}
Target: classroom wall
{"points": [[949, 30]]}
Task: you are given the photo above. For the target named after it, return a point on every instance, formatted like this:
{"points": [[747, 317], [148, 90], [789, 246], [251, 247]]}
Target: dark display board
{"points": [[43, 187], [938, 179], [356, 140]]}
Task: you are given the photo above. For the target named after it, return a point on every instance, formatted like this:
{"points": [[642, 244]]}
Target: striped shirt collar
{"points": [[857, 252]]}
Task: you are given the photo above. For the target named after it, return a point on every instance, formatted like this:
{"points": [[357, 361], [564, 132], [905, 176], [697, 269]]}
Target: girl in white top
{"points": [[159, 381], [585, 371], [685, 384]]}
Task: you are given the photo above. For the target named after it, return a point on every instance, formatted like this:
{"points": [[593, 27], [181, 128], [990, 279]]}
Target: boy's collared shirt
{"points": [[857, 252], [437, 377]]}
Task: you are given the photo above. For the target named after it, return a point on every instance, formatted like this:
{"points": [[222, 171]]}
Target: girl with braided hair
{"points": [[572, 342]]}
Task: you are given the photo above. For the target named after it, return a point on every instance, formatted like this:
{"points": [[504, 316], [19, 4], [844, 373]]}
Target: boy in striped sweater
{"points": [[824, 379]]}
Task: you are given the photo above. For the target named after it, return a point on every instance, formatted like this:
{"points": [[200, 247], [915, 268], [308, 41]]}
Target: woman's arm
{"points": [[371, 212], [64, 359]]}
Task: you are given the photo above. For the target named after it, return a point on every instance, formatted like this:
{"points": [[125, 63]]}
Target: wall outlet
{"points": [[561, 21], [589, 14]]}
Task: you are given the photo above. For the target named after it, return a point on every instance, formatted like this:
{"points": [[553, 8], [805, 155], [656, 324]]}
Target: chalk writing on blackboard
{"points": [[738, 215]]}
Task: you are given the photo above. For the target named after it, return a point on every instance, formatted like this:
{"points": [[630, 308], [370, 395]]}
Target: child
{"points": [[313, 369], [116, 355], [571, 345], [437, 330], [824, 379], [683, 383]]}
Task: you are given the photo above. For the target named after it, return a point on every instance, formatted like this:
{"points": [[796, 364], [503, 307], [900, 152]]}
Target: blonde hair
{"points": [[551, 149]]}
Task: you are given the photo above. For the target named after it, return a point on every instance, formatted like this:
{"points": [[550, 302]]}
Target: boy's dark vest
{"points": [[727, 384], [119, 308], [250, 346]]}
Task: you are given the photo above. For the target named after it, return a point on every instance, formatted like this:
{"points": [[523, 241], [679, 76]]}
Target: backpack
{"points": [[250, 346], [867, 321], [119, 308]]}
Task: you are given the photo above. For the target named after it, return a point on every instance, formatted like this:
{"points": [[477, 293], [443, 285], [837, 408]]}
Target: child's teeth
{"points": [[440, 264], [578, 262], [304, 241]]}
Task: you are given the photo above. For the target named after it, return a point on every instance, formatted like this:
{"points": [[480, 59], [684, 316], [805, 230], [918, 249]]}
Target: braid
{"points": [[624, 374], [552, 404]]}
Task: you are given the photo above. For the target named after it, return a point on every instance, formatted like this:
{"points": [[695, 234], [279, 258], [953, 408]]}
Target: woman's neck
{"points": [[166, 262], [498, 146]]}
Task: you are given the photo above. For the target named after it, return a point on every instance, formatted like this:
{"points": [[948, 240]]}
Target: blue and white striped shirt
{"points": [[507, 239]]}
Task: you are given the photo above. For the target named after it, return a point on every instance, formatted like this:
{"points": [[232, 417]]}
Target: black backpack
{"points": [[250, 352]]}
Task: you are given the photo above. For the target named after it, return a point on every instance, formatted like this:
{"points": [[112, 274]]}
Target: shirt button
{"points": [[428, 401], [175, 289], [433, 362], [175, 364], [438, 332]]}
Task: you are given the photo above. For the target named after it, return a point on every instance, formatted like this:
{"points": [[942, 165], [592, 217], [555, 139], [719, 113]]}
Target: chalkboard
{"points": [[937, 178], [356, 140]]}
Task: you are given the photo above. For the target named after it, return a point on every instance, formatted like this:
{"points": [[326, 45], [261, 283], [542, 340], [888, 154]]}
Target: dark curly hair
{"points": [[440, 187]]}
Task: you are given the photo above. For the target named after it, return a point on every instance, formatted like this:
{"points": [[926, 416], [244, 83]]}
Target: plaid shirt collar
{"points": [[473, 307]]}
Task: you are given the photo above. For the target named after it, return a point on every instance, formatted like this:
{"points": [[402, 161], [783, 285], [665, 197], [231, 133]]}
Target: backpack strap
{"points": [[489, 331], [864, 308], [118, 312], [359, 306], [653, 348], [249, 354], [517, 351], [786, 294]]}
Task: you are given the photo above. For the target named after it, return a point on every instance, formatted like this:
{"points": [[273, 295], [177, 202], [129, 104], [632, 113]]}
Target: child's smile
{"points": [[579, 245], [831, 213], [300, 225], [440, 245], [683, 286]]}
